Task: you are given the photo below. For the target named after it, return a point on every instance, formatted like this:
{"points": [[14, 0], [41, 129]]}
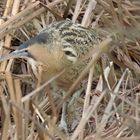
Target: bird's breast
{"points": [[48, 71]]}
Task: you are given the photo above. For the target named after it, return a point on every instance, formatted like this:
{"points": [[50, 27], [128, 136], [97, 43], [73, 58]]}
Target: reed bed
{"points": [[106, 107]]}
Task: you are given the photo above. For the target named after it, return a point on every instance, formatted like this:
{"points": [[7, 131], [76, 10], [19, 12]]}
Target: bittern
{"points": [[59, 46], [62, 45]]}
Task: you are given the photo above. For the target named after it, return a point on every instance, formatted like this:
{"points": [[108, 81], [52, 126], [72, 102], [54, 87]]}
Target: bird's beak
{"points": [[15, 54]]}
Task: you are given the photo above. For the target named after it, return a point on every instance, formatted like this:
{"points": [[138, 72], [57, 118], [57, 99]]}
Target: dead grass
{"points": [[108, 109]]}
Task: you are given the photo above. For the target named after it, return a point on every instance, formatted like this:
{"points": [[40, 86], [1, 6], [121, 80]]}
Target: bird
{"points": [[61, 45]]}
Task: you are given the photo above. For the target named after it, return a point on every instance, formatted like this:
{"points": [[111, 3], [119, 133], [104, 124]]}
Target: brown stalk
{"points": [[85, 118], [6, 122], [107, 111], [27, 97], [19, 116], [27, 14], [87, 97], [42, 129], [69, 4], [48, 122], [86, 19], [77, 10]]}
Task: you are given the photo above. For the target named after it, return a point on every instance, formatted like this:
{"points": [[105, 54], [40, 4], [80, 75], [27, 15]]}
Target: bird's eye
{"points": [[70, 53]]}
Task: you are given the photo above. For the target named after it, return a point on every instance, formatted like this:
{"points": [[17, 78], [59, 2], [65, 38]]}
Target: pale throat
{"points": [[34, 65]]}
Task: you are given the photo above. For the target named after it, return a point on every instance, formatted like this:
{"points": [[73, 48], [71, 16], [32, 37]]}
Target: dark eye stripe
{"points": [[70, 53]]}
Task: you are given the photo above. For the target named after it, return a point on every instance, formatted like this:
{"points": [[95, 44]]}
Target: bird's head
{"points": [[50, 52]]}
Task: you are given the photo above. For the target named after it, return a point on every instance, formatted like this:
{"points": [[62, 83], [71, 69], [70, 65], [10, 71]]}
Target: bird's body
{"points": [[60, 46]]}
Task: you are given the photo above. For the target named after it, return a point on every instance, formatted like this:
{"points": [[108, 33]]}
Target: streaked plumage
{"points": [[61, 45]]}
